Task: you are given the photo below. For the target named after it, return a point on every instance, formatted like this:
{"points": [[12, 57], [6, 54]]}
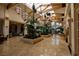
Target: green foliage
{"points": [[35, 30], [31, 28]]}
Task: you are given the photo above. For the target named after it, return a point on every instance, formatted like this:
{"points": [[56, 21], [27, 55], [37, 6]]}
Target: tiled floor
{"points": [[16, 46]]}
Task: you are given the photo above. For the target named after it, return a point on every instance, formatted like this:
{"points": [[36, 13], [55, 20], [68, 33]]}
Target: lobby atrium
{"points": [[39, 29]]}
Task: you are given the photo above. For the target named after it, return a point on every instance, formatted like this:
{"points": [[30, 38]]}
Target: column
{"points": [[25, 30], [72, 30], [6, 28]]}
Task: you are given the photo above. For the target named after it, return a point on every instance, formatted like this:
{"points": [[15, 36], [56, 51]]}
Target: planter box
{"points": [[32, 41], [46, 36]]}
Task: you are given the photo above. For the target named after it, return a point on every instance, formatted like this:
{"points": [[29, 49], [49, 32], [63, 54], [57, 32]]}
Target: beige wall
{"points": [[2, 10], [8, 15], [13, 16], [61, 10]]}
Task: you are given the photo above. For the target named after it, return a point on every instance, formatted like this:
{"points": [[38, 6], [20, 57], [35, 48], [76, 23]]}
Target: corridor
{"points": [[46, 47]]}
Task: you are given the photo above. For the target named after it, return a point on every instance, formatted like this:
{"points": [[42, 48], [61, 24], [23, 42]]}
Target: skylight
{"points": [[36, 5], [39, 9]]}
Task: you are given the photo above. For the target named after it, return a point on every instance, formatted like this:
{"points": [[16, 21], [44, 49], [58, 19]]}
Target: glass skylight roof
{"points": [[39, 9], [36, 5]]}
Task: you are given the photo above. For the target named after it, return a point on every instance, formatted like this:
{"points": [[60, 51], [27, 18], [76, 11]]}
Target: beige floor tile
{"points": [[15, 46]]}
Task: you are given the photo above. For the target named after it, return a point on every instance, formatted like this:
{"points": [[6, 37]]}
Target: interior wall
{"points": [[2, 11], [14, 16], [76, 29]]}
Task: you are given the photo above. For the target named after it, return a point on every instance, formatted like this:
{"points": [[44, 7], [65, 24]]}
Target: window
{"points": [[24, 15], [18, 10]]}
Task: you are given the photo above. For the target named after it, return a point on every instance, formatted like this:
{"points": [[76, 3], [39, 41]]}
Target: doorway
{"points": [[13, 29]]}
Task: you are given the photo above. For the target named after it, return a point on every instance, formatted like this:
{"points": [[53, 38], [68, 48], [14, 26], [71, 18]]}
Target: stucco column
{"points": [[65, 18], [25, 30], [72, 30], [6, 28]]}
